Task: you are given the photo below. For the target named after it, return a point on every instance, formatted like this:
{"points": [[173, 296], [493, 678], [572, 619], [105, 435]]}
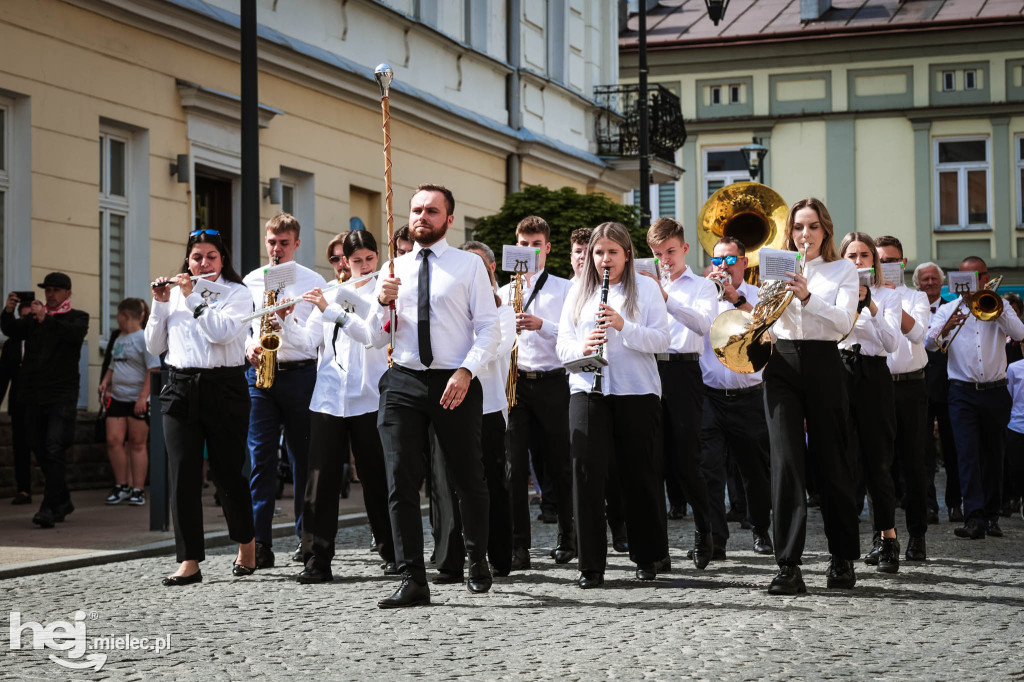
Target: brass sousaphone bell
{"points": [[756, 215]]}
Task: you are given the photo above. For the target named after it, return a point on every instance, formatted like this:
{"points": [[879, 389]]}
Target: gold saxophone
{"points": [[515, 295], [270, 341]]}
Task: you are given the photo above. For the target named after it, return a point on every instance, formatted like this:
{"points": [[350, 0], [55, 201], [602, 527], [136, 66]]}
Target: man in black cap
{"points": [[53, 335]]}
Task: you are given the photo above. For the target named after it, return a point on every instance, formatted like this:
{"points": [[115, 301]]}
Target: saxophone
{"points": [[270, 341], [515, 295]]}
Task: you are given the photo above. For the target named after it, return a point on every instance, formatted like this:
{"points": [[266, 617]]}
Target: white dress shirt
{"points": [[494, 374], [305, 280], [829, 312], [691, 304], [537, 348], [879, 334], [978, 354], [717, 375], [464, 328], [215, 339], [911, 355], [1015, 385], [632, 368]]}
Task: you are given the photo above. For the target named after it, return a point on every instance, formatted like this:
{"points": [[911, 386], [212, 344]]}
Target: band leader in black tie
{"points": [[447, 330]]}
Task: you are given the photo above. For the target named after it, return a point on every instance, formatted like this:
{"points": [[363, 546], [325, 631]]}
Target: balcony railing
{"points": [[618, 122]]}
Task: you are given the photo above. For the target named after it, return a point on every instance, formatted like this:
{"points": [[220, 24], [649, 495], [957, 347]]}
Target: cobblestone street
{"points": [[958, 616]]}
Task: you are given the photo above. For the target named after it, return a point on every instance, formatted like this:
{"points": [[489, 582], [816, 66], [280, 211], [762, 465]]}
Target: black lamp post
{"points": [[716, 9], [753, 155]]}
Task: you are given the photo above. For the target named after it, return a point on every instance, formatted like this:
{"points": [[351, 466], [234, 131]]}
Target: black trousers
{"points": [[538, 424], [211, 407], [736, 424], [805, 380], [979, 421], [628, 429], [1015, 459], [52, 429], [329, 440], [873, 431], [938, 414], [410, 402], [450, 550], [22, 446], [911, 402], [682, 402]]}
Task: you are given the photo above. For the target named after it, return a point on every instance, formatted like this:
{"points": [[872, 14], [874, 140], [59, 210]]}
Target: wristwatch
{"points": [[739, 301]]}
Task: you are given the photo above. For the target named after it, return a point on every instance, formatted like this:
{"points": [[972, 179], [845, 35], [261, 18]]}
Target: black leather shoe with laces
{"points": [[889, 556], [763, 543], [479, 577], [789, 581], [703, 549], [971, 530], [871, 558], [409, 593], [590, 579], [917, 550], [840, 574]]}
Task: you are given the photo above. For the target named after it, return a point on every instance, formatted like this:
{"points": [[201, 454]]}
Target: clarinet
{"points": [[600, 351]]}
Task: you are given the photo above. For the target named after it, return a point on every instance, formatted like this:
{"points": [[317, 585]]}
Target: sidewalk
{"points": [[97, 533]]}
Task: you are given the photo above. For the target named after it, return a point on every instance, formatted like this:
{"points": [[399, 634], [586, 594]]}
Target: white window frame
{"points": [[946, 77], [716, 94], [734, 94], [962, 169], [727, 177], [117, 205], [970, 79], [1018, 180]]}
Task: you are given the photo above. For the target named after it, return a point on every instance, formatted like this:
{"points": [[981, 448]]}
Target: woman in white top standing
{"points": [[804, 383], [621, 419], [875, 335], [206, 400], [344, 411]]}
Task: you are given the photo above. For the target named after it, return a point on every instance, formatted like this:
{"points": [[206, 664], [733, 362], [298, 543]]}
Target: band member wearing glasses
{"points": [[911, 400], [875, 335], [447, 331], [734, 419], [286, 402], [804, 382], [205, 401], [343, 410], [979, 404], [616, 412]]}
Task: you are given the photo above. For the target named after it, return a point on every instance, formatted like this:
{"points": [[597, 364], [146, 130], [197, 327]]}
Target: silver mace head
{"points": [[384, 75]]}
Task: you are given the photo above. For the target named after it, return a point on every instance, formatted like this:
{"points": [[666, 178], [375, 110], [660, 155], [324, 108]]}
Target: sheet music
{"points": [[893, 272], [277, 277], [866, 276], [968, 280], [775, 263], [515, 258], [354, 303], [646, 265], [210, 291], [588, 363]]}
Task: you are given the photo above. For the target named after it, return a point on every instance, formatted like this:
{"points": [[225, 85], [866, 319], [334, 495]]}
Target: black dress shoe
{"points": [[448, 578], [703, 549], [520, 559], [916, 548], [564, 555], [646, 572], [956, 515], [22, 498], [590, 579], [763, 543], [788, 581], [677, 512], [993, 529], [297, 555], [479, 577], [871, 558], [45, 518], [663, 566], [240, 571], [409, 593], [264, 555], [889, 556], [390, 568], [972, 530], [312, 575], [814, 501], [179, 580], [933, 516], [62, 511], [840, 574]]}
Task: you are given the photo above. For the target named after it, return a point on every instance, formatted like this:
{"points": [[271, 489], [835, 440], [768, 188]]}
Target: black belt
{"points": [[293, 365], [980, 386], [909, 376], [677, 357], [560, 373], [423, 373], [877, 359], [208, 372], [730, 392]]}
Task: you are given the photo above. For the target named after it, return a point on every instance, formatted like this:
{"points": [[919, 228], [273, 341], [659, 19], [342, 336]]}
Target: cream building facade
{"points": [[905, 118], [120, 124]]}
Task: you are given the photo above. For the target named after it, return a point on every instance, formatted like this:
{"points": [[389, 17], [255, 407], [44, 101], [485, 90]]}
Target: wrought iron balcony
{"points": [[618, 122]]}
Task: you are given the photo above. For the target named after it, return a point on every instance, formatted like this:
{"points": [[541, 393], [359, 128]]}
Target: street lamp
{"points": [[716, 9], [753, 155]]}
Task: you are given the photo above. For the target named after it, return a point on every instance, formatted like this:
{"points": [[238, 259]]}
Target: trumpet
{"points": [[598, 376], [720, 283], [985, 304]]}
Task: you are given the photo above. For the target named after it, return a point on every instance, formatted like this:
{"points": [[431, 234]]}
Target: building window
{"points": [[962, 183], [716, 95], [288, 198], [114, 212], [1020, 179], [723, 166], [948, 81], [734, 94], [970, 79]]}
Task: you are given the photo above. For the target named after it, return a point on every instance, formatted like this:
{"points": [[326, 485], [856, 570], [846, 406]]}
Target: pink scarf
{"points": [[61, 309]]}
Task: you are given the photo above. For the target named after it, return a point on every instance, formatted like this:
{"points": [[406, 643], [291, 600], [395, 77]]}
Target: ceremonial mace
{"points": [[384, 75]]}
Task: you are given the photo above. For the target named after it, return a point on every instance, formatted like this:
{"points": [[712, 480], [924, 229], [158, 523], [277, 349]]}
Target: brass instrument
{"points": [[598, 376], [270, 342], [720, 286], [515, 296], [985, 304], [753, 213]]}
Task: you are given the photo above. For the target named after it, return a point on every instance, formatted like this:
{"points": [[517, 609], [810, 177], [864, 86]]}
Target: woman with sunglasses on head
{"points": [[800, 387], [343, 411], [616, 413], [206, 400], [874, 337]]}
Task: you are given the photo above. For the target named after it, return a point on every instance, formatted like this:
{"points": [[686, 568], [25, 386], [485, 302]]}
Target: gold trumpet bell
{"points": [[753, 213], [986, 305]]}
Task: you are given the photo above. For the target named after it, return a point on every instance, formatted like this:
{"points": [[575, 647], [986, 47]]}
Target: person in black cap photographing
{"points": [[53, 333]]}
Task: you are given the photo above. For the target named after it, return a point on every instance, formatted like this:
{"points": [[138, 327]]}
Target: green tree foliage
{"points": [[564, 210]]}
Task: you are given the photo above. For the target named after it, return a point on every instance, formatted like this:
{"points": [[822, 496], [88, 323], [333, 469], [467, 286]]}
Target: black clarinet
{"points": [[600, 350]]}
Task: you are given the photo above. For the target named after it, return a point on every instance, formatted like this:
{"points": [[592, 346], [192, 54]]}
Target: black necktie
{"points": [[423, 310], [934, 308]]}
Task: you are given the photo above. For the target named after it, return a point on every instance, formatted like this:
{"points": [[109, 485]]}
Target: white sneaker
{"points": [[119, 493], [138, 498]]}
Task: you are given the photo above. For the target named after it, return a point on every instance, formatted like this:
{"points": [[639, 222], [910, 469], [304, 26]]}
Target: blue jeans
{"points": [[979, 421], [286, 403]]}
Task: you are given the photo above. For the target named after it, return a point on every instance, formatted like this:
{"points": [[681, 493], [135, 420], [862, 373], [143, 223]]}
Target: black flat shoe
{"points": [[840, 574], [390, 568], [590, 579], [763, 543], [703, 549], [312, 576], [240, 571], [564, 555], [409, 593], [179, 580], [645, 573], [917, 549]]}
